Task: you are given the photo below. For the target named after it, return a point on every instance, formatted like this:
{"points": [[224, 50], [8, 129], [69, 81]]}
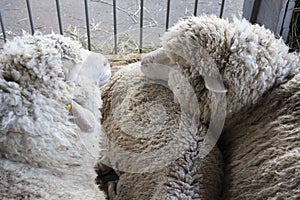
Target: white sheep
{"points": [[245, 61], [49, 118], [261, 148], [145, 169], [252, 63]]}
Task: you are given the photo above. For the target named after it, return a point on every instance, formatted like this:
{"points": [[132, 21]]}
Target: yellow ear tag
{"points": [[69, 107]]}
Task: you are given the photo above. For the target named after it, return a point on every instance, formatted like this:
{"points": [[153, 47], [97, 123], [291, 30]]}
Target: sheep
{"points": [[144, 163], [245, 62], [258, 73], [50, 118]]}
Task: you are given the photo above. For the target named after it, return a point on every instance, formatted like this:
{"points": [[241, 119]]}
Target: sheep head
{"points": [[95, 70]]}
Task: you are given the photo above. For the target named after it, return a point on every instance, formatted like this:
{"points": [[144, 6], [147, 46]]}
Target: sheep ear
{"points": [[214, 84], [84, 118], [157, 56], [71, 70]]}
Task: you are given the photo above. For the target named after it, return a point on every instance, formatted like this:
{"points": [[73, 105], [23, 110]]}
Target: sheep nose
{"points": [[105, 62], [105, 74]]}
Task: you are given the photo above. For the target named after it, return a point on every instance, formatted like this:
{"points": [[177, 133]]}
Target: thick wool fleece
{"points": [[262, 149], [249, 58], [43, 154], [261, 139], [152, 107]]}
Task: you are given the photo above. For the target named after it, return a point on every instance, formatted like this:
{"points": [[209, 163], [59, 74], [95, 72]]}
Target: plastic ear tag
{"points": [[214, 84], [69, 107]]}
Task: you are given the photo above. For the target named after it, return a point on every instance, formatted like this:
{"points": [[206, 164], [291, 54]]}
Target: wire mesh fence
{"points": [[153, 16]]}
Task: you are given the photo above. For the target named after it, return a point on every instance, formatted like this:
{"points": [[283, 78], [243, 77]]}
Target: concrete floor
{"points": [[16, 20]]}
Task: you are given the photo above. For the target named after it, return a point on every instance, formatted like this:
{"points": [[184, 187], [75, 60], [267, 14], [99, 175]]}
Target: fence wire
{"points": [[115, 25]]}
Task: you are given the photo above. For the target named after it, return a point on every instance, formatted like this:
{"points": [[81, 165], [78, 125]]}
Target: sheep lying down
{"points": [[145, 126], [149, 105], [49, 118]]}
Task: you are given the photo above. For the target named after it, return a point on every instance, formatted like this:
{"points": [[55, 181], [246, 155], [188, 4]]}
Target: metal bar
{"points": [[59, 18], [255, 11], [115, 25], [2, 27], [87, 23], [196, 8], [30, 16], [168, 14], [222, 8], [285, 27], [141, 26]]}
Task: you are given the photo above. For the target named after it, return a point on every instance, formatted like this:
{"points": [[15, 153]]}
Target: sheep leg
{"points": [[107, 179], [112, 190]]}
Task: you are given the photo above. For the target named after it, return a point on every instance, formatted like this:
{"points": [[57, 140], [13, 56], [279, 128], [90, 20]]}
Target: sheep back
{"points": [[261, 151], [135, 107]]}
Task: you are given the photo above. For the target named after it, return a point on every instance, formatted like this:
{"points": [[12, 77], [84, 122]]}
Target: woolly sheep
{"points": [[261, 149], [251, 63], [49, 118], [131, 102], [257, 71]]}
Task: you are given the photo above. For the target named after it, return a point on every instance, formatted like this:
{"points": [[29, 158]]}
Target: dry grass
{"points": [[119, 61], [126, 43]]}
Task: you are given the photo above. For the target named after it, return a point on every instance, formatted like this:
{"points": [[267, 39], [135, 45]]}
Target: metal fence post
{"points": [[87, 20], [168, 14], [59, 18], [30, 16], [2, 27], [115, 25], [141, 26], [222, 9], [196, 8], [276, 18]]}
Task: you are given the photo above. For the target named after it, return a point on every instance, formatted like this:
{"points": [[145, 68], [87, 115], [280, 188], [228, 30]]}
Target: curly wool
{"points": [[43, 153], [131, 102], [252, 63], [261, 137], [249, 58], [261, 150]]}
